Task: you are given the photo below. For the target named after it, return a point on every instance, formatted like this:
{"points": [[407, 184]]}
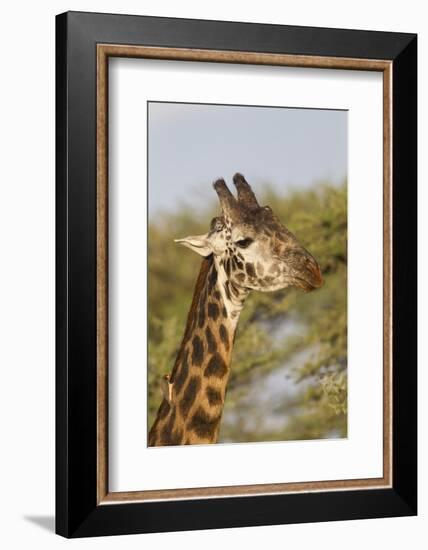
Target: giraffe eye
{"points": [[244, 243]]}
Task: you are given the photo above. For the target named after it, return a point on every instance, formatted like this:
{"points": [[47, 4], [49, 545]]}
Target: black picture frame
{"points": [[77, 511]]}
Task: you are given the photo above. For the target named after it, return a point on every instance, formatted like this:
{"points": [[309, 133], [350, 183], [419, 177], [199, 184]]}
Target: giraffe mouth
{"points": [[311, 278], [305, 271], [305, 285]]}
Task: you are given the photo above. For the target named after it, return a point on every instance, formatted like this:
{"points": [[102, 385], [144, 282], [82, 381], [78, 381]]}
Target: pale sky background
{"points": [[191, 145]]}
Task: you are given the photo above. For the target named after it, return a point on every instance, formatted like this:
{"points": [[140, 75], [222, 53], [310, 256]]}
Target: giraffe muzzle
{"points": [[315, 278], [309, 275]]}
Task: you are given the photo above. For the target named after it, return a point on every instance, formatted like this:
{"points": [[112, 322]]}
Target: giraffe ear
{"points": [[198, 243]]}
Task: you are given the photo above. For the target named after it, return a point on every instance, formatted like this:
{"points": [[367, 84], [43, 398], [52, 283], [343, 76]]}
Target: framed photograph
{"points": [[236, 274]]}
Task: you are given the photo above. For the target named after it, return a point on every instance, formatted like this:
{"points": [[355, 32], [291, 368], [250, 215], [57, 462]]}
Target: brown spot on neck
{"points": [[216, 367], [204, 425], [224, 336], [198, 351], [213, 310], [189, 395], [214, 396]]}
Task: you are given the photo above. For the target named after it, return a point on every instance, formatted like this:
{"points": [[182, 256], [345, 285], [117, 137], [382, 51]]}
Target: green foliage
{"points": [[318, 406]]}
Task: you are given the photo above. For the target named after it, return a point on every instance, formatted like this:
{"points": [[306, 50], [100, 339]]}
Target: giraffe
{"points": [[246, 248]]}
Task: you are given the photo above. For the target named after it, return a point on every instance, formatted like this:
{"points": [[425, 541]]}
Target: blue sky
{"points": [[191, 145]]}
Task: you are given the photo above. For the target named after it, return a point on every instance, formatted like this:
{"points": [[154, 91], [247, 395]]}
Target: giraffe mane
{"points": [[203, 272]]}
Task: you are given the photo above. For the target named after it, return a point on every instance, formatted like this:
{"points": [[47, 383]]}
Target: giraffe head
{"points": [[255, 250]]}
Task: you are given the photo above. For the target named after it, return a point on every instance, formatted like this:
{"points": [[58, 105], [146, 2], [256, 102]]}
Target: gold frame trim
{"points": [[104, 51]]}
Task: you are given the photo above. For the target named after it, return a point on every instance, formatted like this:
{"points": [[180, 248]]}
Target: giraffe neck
{"points": [[192, 411]]}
